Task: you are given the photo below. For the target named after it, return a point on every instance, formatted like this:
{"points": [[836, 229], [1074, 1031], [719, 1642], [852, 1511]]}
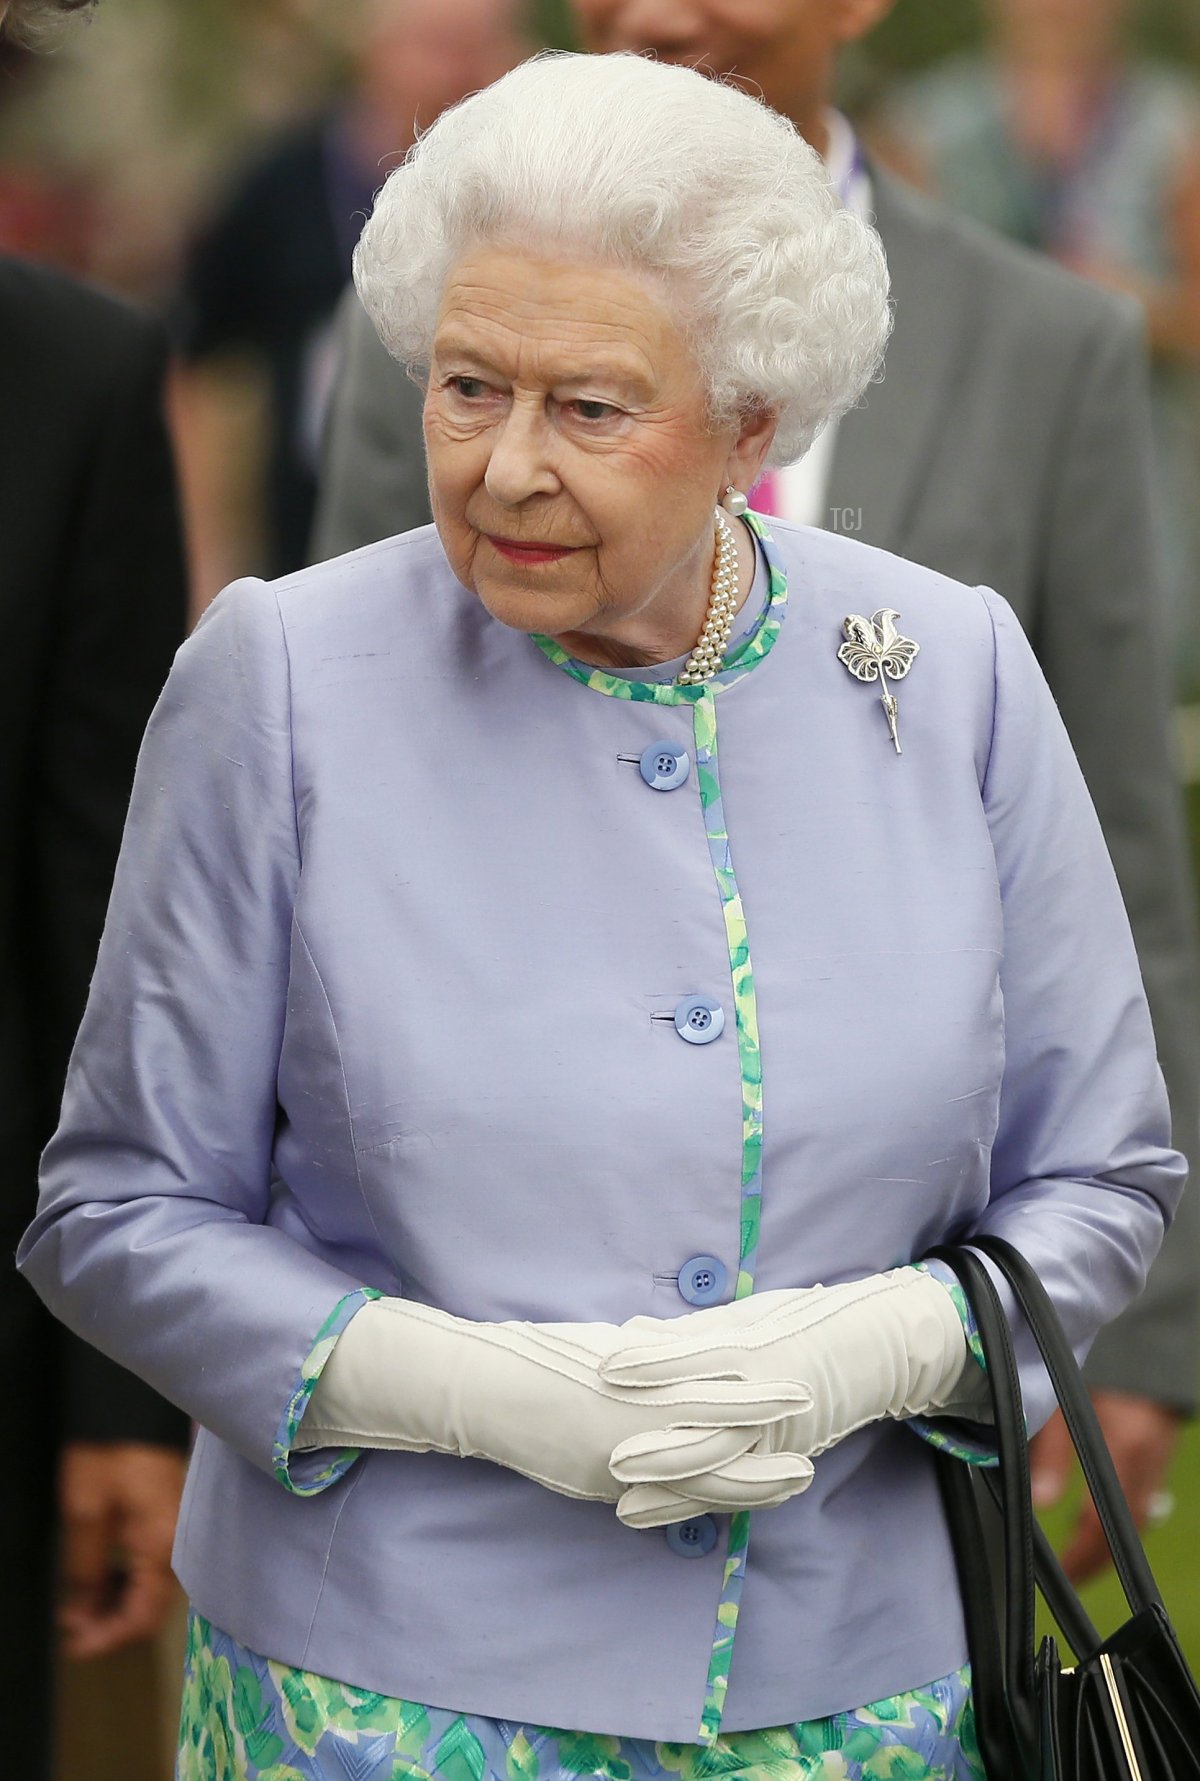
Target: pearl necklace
{"points": [[709, 653]]}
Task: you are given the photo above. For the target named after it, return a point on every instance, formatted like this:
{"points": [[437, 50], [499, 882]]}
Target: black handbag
{"points": [[1129, 1709]]}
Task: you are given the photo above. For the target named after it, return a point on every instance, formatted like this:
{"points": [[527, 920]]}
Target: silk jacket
{"points": [[398, 993]]}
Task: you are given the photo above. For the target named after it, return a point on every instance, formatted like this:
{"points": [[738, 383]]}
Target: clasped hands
{"points": [[723, 1408]]}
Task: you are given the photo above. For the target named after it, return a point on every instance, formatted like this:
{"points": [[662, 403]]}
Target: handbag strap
{"points": [[1068, 1612], [965, 1522], [1016, 1508], [1116, 1519]]}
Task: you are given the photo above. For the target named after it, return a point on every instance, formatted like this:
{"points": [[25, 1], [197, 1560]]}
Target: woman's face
{"points": [[572, 473]]}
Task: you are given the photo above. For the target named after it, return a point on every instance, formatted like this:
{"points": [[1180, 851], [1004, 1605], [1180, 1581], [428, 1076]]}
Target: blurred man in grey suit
{"points": [[1006, 445]]}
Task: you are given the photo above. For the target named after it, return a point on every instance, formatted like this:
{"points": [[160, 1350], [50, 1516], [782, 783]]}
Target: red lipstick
{"points": [[526, 554]]}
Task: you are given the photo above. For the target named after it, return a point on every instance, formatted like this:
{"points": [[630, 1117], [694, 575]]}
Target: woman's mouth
{"points": [[529, 553]]}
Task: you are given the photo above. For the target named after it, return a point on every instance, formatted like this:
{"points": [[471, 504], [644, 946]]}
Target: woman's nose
{"points": [[520, 462]]}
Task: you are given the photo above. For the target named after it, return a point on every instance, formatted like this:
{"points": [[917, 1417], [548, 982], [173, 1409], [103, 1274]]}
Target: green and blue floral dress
{"points": [[246, 1718]]}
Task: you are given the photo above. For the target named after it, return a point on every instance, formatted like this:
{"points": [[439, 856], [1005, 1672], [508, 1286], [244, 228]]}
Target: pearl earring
{"points": [[734, 502]]}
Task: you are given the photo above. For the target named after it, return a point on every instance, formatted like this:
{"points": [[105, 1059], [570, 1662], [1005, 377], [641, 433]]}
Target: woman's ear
{"points": [[749, 454]]}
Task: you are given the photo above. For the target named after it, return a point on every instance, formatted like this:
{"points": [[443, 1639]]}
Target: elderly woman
{"points": [[428, 1101]]}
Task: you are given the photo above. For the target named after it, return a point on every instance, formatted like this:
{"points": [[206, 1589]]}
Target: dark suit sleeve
{"points": [[225, 304], [1098, 637], [120, 614]]}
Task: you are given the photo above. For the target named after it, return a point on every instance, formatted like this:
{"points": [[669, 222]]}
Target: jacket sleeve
{"points": [[1098, 639], [1084, 1179], [151, 1238]]}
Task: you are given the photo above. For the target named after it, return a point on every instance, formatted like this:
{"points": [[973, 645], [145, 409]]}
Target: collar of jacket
{"points": [[752, 650]]}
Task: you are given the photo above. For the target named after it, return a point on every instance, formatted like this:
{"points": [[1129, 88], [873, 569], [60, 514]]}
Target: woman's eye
{"points": [[594, 411], [470, 388]]}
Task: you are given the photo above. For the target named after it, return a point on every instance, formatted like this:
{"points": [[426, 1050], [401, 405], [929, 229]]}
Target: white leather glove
{"points": [[891, 1345], [530, 1397]]}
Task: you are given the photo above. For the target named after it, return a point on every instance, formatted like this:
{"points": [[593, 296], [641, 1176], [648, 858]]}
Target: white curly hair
{"points": [[782, 292]]}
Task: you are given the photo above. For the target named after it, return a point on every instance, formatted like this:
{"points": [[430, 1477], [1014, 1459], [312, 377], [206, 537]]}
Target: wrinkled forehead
{"points": [[558, 319]]}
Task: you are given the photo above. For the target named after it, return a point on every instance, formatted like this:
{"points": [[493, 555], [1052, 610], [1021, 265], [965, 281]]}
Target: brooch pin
{"points": [[874, 649]]}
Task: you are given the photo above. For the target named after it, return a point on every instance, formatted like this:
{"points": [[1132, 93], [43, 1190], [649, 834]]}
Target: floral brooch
{"points": [[874, 649]]}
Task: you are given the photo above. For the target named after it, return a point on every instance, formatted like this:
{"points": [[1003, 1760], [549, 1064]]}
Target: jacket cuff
{"points": [[307, 1474], [962, 1440]]}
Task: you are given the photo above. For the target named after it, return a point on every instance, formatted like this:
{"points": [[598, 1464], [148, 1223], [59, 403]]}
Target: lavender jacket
{"points": [[398, 991]]}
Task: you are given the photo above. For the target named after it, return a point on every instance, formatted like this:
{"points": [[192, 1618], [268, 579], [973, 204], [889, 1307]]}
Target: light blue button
{"points": [[702, 1280], [664, 766], [692, 1539], [699, 1020]]}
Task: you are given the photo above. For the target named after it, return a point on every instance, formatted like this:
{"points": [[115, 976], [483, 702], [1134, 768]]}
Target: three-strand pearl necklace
{"points": [[706, 658]]}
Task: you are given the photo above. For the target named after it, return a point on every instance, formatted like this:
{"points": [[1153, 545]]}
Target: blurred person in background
{"points": [[266, 274], [93, 601], [1059, 135], [1008, 444]]}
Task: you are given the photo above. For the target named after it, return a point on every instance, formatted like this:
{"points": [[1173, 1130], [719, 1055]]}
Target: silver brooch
{"points": [[874, 649]]}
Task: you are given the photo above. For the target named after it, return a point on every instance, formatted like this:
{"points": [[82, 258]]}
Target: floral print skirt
{"points": [[246, 1718]]}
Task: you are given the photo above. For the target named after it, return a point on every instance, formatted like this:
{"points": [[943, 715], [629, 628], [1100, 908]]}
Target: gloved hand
{"points": [[530, 1397], [891, 1345]]}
